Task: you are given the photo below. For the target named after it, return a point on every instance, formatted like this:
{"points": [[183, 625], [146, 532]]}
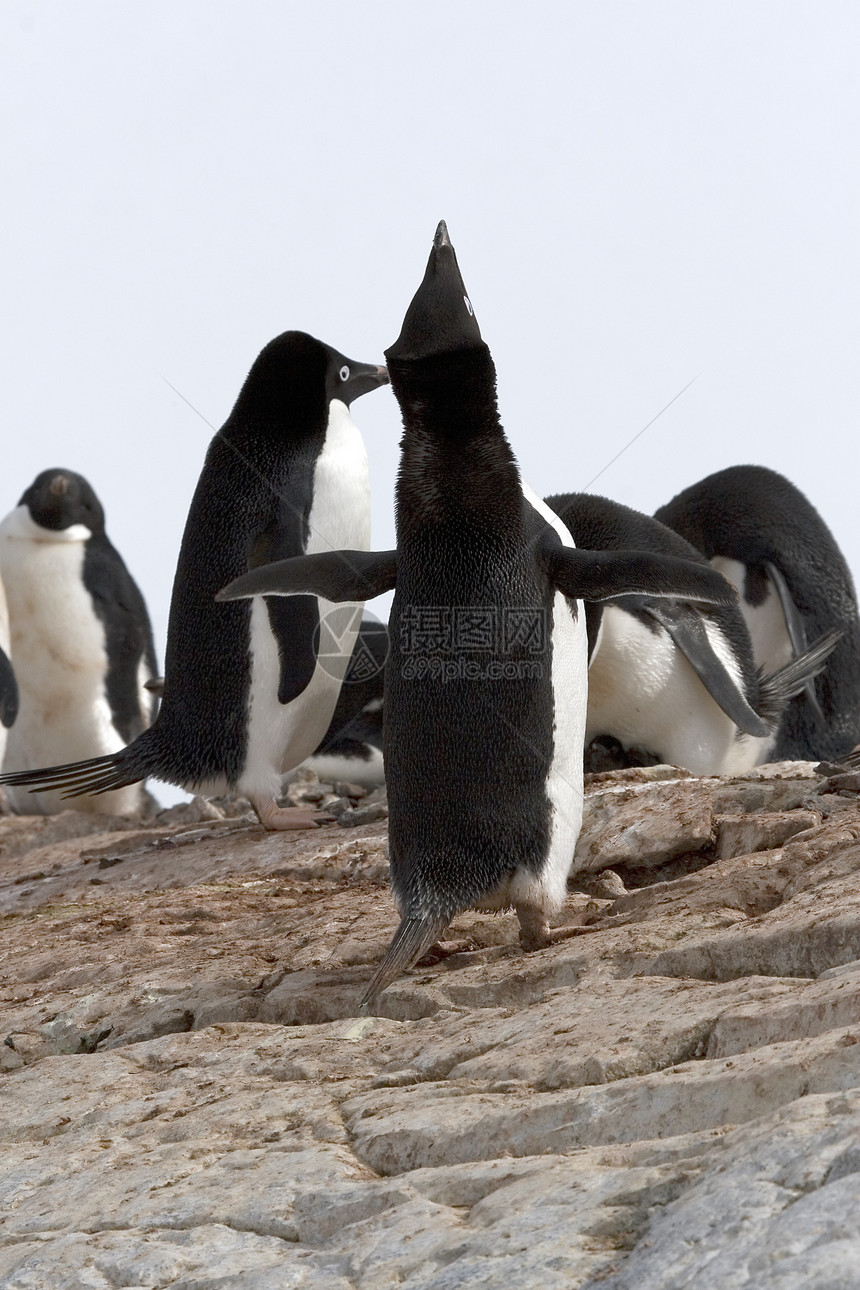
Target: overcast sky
{"points": [[640, 194]]}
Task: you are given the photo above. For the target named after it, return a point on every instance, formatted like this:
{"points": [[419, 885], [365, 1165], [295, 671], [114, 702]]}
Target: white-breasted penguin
{"points": [[485, 685], [80, 639], [245, 696], [760, 531], [670, 679]]}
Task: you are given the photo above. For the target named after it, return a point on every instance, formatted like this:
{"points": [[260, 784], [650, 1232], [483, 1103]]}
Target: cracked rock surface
{"points": [[669, 1098]]}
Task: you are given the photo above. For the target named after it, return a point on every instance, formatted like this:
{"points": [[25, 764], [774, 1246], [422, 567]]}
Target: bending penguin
{"points": [[245, 695], [766, 538], [485, 689], [80, 637], [673, 680]]}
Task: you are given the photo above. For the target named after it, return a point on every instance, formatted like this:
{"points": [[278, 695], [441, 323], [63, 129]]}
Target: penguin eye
{"points": [[469, 306], [344, 373]]}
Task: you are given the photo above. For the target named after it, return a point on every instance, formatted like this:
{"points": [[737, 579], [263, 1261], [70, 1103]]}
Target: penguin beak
{"points": [[441, 237], [364, 378]]}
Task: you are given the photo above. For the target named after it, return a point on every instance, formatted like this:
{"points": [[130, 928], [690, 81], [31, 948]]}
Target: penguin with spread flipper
{"points": [[485, 690]]}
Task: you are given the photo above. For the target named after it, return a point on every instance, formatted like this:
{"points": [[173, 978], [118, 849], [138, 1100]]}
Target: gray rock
{"points": [[643, 826], [738, 835], [668, 1097]]}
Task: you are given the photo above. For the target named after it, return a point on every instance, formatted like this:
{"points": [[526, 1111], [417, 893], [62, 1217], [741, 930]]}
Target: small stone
{"points": [[342, 788], [350, 817], [842, 783]]}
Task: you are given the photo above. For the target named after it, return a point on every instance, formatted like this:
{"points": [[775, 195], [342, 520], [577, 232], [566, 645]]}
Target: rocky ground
{"points": [[669, 1097]]}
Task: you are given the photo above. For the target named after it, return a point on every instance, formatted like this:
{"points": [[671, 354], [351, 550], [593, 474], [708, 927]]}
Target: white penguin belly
{"points": [[368, 771], [281, 735], [644, 693], [60, 660], [546, 890], [765, 622]]}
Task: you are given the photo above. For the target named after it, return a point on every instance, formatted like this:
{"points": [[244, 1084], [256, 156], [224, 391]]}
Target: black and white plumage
{"points": [[352, 748], [485, 688], [80, 638], [244, 696], [675, 680], [9, 696], [759, 530]]}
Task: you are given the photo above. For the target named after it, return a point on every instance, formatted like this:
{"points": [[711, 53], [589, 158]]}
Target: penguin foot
{"points": [[535, 931], [534, 928], [273, 817], [444, 950]]}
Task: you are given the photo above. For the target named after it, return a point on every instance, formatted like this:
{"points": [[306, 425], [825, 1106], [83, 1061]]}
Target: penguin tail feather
{"points": [[413, 938], [778, 687], [92, 777]]}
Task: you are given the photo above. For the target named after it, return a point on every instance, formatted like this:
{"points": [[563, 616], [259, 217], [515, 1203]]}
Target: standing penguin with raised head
{"points": [[80, 637], [245, 697], [485, 689], [760, 531]]}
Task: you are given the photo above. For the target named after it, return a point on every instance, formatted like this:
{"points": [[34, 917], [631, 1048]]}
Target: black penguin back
{"points": [[468, 699], [251, 504]]}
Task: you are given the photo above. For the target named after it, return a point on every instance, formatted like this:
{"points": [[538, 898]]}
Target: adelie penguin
{"points": [[485, 688], [673, 681], [760, 531], [80, 638], [249, 689]]}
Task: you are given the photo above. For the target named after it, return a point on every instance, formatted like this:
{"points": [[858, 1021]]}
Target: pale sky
{"points": [[640, 194]]}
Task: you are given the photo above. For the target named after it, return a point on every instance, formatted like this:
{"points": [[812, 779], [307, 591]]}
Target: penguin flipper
{"points": [[795, 677], [795, 628], [9, 696], [605, 575], [689, 635], [335, 575], [413, 938]]}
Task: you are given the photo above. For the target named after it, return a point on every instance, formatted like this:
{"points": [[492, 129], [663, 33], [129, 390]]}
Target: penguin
{"points": [[245, 697], [759, 530], [351, 748], [485, 684], [80, 637], [9, 696], [669, 681]]}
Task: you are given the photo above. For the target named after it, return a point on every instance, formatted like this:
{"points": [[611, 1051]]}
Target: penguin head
{"points": [[58, 498], [347, 380], [295, 377], [440, 319]]}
